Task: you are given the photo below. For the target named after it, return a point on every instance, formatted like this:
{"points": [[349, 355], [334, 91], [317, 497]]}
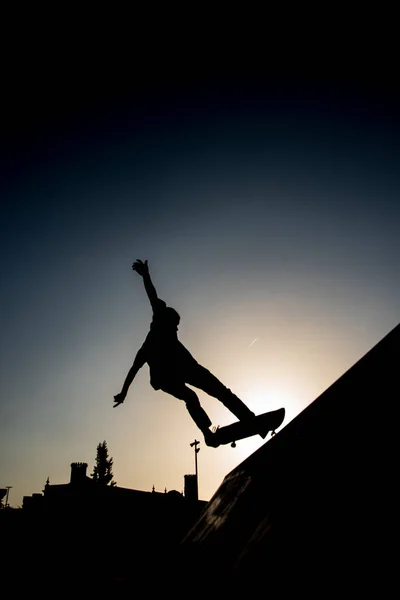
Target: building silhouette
{"points": [[82, 496], [87, 523]]}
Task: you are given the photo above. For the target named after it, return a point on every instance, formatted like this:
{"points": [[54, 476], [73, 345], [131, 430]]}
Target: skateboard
{"points": [[260, 425]]}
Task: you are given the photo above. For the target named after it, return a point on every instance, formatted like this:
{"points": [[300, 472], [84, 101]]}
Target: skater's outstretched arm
{"points": [[142, 269], [137, 364]]}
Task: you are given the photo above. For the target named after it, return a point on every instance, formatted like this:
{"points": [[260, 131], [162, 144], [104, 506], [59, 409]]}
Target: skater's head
{"points": [[172, 318], [165, 318]]}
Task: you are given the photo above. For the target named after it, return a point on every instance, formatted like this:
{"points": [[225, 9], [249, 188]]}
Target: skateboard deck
{"points": [[261, 425]]}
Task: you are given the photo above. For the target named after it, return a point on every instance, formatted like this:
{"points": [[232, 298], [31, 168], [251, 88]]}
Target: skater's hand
{"points": [[118, 399], [140, 267]]}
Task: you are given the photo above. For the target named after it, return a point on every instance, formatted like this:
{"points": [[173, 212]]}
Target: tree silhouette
{"points": [[102, 471]]}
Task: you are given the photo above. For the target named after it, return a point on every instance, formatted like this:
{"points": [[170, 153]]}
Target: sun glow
{"points": [[270, 395]]}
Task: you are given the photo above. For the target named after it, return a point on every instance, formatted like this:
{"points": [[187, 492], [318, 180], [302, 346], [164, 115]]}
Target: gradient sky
{"points": [[268, 209]]}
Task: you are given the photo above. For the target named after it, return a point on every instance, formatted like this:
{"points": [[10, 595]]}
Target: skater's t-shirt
{"points": [[166, 356]]}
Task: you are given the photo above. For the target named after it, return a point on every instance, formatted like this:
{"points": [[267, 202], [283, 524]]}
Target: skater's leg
{"points": [[194, 408], [203, 379], [192, 402]]}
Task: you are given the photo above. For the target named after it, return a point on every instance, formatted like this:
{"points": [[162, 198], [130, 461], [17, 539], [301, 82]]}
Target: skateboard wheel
{"points": [[273, 433], [233, 445]]}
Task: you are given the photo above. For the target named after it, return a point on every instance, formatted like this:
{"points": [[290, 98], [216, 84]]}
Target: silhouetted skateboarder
{"points": [[172, 366]]}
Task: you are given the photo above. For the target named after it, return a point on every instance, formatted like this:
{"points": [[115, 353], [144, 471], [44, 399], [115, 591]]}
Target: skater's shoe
{"points": [[262, 432], [210, 439], [258, 428]]}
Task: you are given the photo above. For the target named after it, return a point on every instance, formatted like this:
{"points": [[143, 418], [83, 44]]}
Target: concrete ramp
{"points": [[311, 510]]}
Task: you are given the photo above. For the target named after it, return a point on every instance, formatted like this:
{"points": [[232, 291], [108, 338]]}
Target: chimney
{"points": [[191, 491], [78, 473]]}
